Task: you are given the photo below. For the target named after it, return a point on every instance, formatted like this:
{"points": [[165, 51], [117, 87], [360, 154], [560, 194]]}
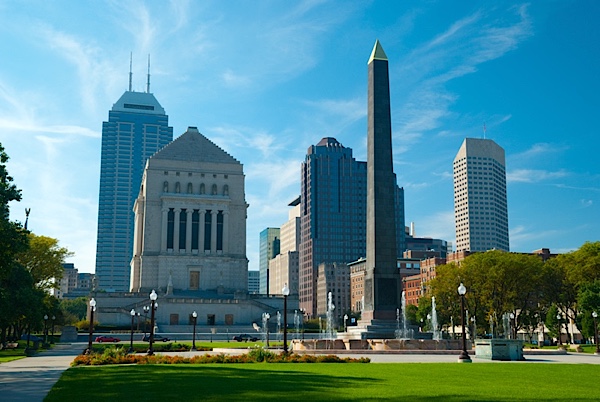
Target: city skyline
{"points": [[264, 82]]}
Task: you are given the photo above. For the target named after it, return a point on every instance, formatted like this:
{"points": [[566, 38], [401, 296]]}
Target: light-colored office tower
{"points": [[268, 248], [283, 268], [137, 127], [480, 208]]}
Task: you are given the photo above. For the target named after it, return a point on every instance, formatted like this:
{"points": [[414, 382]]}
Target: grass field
{"points": [[330, 382]]}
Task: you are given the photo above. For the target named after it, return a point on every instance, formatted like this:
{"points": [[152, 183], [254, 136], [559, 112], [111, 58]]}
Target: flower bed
{"points": [[259, 355]]}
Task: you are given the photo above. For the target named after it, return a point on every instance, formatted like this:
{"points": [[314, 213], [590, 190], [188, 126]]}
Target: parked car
{"points": [[105, 338], [245, 338], [157, 338]]}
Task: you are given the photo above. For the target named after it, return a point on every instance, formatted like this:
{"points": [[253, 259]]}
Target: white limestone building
{"points": [[480, 202], [190, 220]]}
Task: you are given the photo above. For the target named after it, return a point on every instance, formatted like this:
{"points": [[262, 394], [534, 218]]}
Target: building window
{"points": [[207, 229], [195, 228], [182, 228], [170, 227], [220, 231]]}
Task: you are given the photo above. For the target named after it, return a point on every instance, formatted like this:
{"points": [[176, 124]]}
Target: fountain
{"points": [[403, 333], [329, 331], [437, 334], [278, 326], [297, 323], [506, 325], [265, 328]]}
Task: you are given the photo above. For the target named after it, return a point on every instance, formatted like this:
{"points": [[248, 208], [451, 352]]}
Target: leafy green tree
{"points": [[411, 314], [44, 259], [444, 287], [13, 238], [552, 322], [75, 309]]}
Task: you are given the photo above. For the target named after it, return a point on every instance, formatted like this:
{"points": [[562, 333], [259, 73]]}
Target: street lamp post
{"points": [[558, 317], [345, 322], [45, 329], [464, 355], [286, 292], [146, 310], [53, 319], [512, 326], [153, 297], [194, 318], [132, 313], [595, 315], [91, 332]]}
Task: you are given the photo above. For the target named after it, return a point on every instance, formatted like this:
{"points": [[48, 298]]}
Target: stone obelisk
{"points": [[382, 278]]}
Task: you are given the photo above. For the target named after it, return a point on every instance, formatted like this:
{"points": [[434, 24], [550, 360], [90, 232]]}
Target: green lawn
{"points": [[330, 382], [11, 354], [7, 355]]}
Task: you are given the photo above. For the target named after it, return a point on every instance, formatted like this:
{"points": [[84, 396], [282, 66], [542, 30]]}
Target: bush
{"points": [[258, 355]]}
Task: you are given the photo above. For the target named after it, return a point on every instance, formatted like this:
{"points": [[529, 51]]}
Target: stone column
{"points": [[225, 232]]}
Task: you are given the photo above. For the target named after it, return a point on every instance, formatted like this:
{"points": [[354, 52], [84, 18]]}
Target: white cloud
{"points": [[458, 51], [520, 234], [586, 203], [438, 226], [533, 175]]}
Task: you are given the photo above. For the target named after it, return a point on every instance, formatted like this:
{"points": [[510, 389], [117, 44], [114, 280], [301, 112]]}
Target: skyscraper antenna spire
{"points": [[484, 130], [130, 73], [148, 83]]}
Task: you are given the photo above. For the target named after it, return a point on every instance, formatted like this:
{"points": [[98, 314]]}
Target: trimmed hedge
{"points": [[259, 355]]}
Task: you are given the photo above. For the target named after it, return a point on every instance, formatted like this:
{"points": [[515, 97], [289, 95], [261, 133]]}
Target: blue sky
{"points": [[266, 79]]}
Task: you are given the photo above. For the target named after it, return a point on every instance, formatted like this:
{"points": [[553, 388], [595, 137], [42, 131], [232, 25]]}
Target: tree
{"points": [[13, 237], [44, 259], [14, 281], [75, 308], [552, 322]]}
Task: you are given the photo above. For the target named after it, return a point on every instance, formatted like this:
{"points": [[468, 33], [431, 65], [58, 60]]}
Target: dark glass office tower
{"points": [[137, 127], [334, 213]]}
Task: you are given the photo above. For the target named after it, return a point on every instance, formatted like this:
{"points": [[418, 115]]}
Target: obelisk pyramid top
{"points": [[377, 53]]}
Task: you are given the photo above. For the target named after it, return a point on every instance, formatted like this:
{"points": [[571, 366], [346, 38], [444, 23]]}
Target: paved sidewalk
{"points": [[30, 379]]}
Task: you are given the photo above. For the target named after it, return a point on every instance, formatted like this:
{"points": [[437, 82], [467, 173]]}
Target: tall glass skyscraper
{"points": [[480, 209], [137, 127], [333, 213]]}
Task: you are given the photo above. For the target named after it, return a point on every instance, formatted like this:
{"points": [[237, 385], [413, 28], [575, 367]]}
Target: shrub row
{"points": [[120, 356]]}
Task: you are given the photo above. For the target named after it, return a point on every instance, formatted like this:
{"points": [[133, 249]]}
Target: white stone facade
{"points": [[190, 220]]}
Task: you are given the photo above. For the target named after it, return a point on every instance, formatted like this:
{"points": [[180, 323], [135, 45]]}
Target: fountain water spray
{"points": [[403, 333], [437, 334], [330, 323]]}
